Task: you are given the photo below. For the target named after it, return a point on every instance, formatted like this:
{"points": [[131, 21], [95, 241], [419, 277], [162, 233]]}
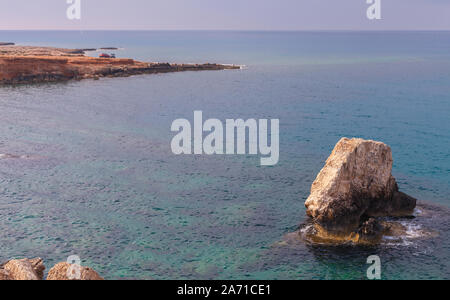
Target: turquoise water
{"points": [[89, 169]]}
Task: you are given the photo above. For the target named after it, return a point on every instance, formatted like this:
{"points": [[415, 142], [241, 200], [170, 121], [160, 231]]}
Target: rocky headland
{"points": [[33, 269], [26, 64], [353, 192]]}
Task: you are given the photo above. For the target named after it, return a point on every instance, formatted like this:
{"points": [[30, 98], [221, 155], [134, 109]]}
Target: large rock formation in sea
{"points": [[354, 188], [33, 269]]}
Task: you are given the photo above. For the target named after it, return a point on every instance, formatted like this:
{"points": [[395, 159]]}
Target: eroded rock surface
{"points": [[22, 269], [354, 187], [4, 275], [33, 269], [60, 272]]}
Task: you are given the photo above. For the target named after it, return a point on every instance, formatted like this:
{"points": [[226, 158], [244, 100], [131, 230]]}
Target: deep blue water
{"points": [[92, 172]]}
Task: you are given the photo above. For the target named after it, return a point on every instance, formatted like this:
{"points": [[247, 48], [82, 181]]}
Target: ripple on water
{"points": [[419, 239]]}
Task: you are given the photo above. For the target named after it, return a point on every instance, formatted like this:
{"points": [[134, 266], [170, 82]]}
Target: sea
{"points": [[86, 167]]}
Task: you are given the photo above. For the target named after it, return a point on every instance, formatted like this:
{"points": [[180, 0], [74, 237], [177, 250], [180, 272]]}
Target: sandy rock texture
{"points": [[60, 272], [33, 269], [22, 269], [354, 188]]}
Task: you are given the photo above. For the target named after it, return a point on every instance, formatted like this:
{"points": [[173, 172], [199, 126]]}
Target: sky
{"points": [[225, 15]]}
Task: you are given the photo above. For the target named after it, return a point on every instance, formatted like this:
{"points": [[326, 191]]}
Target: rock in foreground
{"points": [[22, 269], [60, 272], [356, 186], [33, 269]]}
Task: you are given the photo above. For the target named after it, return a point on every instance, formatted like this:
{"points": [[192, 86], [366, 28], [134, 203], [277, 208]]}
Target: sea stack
{"points": [[354, 188]]}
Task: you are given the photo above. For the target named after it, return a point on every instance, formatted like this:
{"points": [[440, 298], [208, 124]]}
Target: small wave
{"points": [[241, 67], [12, 156], [413, 231], [306, 229], [397, 242], [5, 156], [410, 232], [417, 212]]}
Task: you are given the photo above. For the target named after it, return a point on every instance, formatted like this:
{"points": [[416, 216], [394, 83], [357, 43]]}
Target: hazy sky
{"points": [[226, 14]]}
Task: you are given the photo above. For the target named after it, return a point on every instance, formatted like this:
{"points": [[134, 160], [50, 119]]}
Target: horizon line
{"points": [[243, 30]]}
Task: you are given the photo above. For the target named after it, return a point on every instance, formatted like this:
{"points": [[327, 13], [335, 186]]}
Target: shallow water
{"points": [[88, 170]]}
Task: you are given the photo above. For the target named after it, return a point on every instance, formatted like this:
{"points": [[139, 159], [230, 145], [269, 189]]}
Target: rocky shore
{"points": [[353, 192], [33, 269], [25, 65]]}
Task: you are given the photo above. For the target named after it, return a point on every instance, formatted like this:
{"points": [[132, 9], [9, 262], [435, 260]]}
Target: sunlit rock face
{"points": [[33, 269], [355, 185], [62, 271], [22, 269]]}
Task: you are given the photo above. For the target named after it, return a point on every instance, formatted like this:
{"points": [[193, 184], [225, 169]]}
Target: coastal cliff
{"points": [[22, 65]]}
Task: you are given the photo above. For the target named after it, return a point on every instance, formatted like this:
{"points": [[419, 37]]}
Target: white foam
{"points": [[6, 156], [413, 231], [306, 229]]}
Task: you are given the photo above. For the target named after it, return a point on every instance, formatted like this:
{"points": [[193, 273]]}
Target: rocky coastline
{"points": [[27, 65], [33, 269]]}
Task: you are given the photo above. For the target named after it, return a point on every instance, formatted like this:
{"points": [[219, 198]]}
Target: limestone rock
{"points": [[355, 184], [23, 269], [59, 272], [38, 267], [4, 275]]}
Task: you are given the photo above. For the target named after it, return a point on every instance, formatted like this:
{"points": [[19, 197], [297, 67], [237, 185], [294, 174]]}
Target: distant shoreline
{"points": [[29, 64]]}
